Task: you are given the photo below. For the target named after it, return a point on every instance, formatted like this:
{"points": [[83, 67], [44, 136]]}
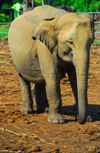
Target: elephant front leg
{"points": [[55, 103], [41, 97], [27, 103]]}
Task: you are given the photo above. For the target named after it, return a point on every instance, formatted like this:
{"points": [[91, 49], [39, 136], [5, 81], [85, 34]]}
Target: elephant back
{"points": [[56, 13]]}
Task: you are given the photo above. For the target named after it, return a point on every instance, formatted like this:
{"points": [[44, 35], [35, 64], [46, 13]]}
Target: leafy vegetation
{"points": [[98, 27], [4, 17], [3, 29], [80, 5], [95, 43], [9, 2], [3, 61]]}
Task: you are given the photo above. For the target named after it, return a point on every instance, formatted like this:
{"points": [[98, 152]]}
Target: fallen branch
{"points": [[12, 132], [86, 129], [13, 92], [26, 135], [6, 151], [15, 126], [38, 137]]}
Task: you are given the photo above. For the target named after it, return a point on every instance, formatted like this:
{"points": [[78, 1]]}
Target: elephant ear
{"points": [[46, 33]]}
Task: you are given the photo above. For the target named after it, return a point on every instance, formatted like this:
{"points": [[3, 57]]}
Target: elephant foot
{"points": [[56, 118], [89, 119], [73, 112], [45, 109], [26, 110]]}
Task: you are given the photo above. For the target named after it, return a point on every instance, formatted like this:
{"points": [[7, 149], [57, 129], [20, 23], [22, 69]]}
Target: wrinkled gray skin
{"points": [[45, 44]]}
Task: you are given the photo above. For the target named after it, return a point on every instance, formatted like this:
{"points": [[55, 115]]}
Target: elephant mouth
{"points": [[68, 56], [68, 53]]}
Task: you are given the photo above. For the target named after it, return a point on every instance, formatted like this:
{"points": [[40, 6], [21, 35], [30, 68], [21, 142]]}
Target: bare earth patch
{"points": [[32, 133]]}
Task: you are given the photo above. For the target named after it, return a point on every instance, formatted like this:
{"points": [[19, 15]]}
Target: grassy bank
{"points": [[96, 43], [4, 29]]}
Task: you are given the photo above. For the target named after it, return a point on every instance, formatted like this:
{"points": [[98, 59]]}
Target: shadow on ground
{"points": [[93, 111]]}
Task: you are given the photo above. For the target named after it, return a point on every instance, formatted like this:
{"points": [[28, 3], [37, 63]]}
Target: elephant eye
{"points": [[70, 42]]}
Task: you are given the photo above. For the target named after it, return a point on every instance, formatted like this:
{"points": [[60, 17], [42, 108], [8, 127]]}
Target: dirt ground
{"points": [[32, 133]]}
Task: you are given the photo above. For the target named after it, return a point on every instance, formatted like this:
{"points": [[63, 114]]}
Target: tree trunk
{"points": [[25, 5]]}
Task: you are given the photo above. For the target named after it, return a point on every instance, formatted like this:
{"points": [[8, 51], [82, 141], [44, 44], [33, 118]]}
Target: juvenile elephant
{"points": [[46, 43], [67, 8]]}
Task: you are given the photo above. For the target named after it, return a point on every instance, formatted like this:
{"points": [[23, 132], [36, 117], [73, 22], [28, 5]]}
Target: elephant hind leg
{"points": [[41, 101], [27, 102]]}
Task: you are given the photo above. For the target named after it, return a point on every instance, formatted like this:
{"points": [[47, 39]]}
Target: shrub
{"points": [[4, 18]]}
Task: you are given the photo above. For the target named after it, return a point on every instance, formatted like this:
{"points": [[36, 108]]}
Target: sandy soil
{"points": [[32, 133]]}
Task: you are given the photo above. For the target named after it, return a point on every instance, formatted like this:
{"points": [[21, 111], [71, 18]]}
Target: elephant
{"points": [[45, 44], [67, 8], [30, 8]]}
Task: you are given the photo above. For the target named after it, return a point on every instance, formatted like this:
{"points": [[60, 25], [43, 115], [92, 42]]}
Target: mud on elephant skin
{"points": [[43, 49]]}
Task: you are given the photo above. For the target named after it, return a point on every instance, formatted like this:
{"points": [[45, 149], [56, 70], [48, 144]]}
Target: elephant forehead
{"points": [[61, 38], [70, 22], [65, 35]]}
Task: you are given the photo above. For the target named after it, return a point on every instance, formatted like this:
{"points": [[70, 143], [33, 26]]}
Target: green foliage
{"points": [[4, 18], [3, 61], [95, 43], [97, 5], [9, 2], [80, 5], [56, 2], [96, 28], [84, 5], [3, 31], [63, 2]]}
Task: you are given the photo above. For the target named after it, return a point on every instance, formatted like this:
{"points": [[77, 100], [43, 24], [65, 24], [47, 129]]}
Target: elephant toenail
{"points": [[26, 112], [61, 121], [55, 121], [89, 119]]}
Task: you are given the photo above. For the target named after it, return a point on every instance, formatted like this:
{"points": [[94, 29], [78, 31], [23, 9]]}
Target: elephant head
{"points": [[72, 36]]}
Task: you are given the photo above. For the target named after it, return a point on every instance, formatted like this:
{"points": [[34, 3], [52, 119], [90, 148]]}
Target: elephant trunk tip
{"points": [[81, 120]]}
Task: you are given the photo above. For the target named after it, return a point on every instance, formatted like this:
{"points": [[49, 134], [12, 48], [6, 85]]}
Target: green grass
{"points": [[96, 28], [95, 43], [3, 30], [3, 61]]}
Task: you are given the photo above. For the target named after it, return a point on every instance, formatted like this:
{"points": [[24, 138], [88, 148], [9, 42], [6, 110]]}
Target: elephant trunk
{"points": [[82, 67]]}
